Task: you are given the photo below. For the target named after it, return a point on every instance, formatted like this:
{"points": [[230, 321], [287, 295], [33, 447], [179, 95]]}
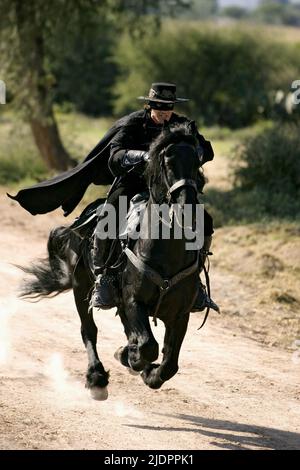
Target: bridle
{"points": [[165, 284], [189, 182], [184, 182]]}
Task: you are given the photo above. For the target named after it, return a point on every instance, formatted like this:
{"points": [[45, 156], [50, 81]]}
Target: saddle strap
{"points": [[163, 284], [208, 293], [154, 276]]}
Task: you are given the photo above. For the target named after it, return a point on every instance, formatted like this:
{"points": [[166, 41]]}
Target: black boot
{"points": [[203, 300], [105, 295], [106, 292]]}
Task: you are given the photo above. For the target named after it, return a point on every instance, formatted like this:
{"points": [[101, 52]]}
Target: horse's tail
{"points": [[52, 275]]}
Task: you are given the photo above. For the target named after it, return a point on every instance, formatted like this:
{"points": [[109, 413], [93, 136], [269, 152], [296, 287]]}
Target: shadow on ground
{"points": [[231, 435]]}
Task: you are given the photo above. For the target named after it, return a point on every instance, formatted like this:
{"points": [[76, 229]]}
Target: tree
{"points": [[31, 30], [84, 69], [229, 75], [235, 12], [202, 9], [24, 28]]}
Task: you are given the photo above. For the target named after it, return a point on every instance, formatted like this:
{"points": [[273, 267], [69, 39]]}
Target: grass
{"points": [[21, 166], [20, 163], [259, 267], [257, 255], [280, 33], [81, 133]]}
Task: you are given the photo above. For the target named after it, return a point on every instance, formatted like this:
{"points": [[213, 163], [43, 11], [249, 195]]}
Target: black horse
{"points": [[159, 276]]}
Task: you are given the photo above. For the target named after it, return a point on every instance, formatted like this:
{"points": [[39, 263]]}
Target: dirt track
{"points": [[230, 392]]}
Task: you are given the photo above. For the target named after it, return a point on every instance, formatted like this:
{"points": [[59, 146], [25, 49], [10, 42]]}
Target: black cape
{"points": [[67, 189]]}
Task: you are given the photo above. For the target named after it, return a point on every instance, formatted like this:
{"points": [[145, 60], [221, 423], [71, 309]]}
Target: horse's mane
{"points": [[172, 135]]}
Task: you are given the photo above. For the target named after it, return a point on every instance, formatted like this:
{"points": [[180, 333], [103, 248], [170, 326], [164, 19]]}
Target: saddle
{"points": [[86, 222], [84, 225]]}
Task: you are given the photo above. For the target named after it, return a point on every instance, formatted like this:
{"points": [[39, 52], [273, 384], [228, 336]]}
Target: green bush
{"points": [[269, 167], [273, 12], [272, 160], [228, 74]]}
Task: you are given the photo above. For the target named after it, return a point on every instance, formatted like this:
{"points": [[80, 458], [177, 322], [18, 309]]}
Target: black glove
{"points": [[135, 159]]}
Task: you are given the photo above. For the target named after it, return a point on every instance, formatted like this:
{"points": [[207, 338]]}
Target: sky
{"points": [[241, 3], [245, 3]]}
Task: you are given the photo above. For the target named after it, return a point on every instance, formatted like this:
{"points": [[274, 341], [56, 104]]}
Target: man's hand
{"points": [[134, 160]]}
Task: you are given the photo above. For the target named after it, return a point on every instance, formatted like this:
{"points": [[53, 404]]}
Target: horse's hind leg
{"points": [[96, 377], [154, 375], [142, 347]]}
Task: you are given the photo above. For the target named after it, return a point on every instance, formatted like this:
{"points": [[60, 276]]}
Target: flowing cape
{"points": [[67, 188]]}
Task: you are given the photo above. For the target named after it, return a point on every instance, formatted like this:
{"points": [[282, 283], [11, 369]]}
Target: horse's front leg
{"points": [[96, 377], [142, 347], [154, 375]]}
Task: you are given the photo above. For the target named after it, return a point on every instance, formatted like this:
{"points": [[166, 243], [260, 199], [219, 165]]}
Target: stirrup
{"points": [[105, 295], [203, 301]]}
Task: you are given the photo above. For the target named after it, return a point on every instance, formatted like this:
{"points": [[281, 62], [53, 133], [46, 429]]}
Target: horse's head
{"points": [[173, 168]]}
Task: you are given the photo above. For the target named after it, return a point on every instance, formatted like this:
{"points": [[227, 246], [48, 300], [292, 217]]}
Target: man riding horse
{"points": [[128, 154], [122, 153]]}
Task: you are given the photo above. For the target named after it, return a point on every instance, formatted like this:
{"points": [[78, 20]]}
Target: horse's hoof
{"points": [[99, 393], [150, 376], [118, 357], [118, 353]]}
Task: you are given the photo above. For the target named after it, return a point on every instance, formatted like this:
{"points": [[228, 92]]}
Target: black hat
{"points": [[163, 93]]}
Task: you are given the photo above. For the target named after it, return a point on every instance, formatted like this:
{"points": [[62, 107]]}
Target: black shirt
{"points": [[140, 131]]}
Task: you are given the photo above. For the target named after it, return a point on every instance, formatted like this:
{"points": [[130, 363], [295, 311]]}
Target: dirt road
{"points": [[230, 392]]}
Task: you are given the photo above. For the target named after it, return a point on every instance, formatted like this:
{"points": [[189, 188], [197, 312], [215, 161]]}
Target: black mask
{"points": [[161, 106]]}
